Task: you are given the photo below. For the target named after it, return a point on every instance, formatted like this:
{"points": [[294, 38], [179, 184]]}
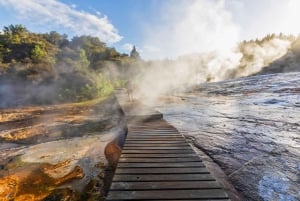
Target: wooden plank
{"points": [[161, 165], [151, 128], [163, 177], [163, 185], [171, 170], [156, 145], [150, 138], [154, 139], [154, 132], [156, 151], [168, 194], [158, 160], [155, 136], [205, 199], [129, 141], [155, 148], [151, 133], [168, 155]]}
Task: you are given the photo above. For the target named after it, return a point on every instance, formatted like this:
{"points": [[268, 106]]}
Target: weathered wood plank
{"points": [[155, 144], [169, 194], [155, 136], [170, 141], [166, 155], [150, 128], [154, 132], [173, 137], [156, 148], [204, 199], [163, 177], [171, 170], [156, 151], [185, 164], [157, 124], [163, 185], [158, 160], [162, 138]]}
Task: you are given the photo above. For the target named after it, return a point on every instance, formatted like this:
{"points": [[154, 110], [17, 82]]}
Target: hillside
{"points": [[50, 68]]}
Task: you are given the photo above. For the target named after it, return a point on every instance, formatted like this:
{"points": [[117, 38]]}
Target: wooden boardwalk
{"points": [[158, 164]]}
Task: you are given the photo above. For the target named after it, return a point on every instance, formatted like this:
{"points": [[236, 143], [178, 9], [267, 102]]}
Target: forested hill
{"points": [[48, 68]]}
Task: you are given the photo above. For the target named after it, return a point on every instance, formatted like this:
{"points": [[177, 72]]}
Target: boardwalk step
{"points": [[171, 170], [156, 151], [157, 160], [136, 144], [167, 155], [157, 163], [161, 165], [162, 185], [130, 141], [168, 194], [163, 177]]}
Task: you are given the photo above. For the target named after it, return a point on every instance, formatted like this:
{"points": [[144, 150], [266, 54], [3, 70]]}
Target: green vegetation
{"points": [[50, 68]]}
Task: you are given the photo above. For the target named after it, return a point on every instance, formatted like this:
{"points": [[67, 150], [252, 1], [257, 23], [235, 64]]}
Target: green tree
{"points": [[37, 53], [59, 40], [15, 33], [134, 53], [83, 58]]}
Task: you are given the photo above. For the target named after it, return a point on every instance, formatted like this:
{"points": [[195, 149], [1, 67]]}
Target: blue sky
{"points": [[159, 28]]}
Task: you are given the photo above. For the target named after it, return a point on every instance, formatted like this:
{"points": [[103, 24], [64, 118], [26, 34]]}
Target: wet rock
{"points": [[250, 128]]}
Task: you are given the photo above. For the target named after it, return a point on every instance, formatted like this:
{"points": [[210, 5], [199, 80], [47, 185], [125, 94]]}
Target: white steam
{"points": [[204, 33], [191, 27], [261, 55]]}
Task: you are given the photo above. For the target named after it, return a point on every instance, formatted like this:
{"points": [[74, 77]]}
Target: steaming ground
{"points": [[250, 128], [279, 52]]}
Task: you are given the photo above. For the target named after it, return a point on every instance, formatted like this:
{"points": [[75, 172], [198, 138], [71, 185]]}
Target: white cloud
{"points": [[127, 47], [192, 26], [58, 15]]}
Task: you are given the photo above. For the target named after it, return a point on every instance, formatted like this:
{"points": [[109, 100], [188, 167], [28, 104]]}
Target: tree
{"points": [[37, 53], [15, 33], [134, 54], [15, 29], [83, 59], [59, 40]]}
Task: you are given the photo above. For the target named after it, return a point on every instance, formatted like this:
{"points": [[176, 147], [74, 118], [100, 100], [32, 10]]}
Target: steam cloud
{"points": [[192, 27], [204, 33]]}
